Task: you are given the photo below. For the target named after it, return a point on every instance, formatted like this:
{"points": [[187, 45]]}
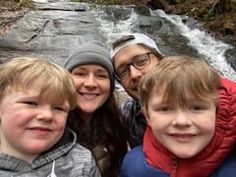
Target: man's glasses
{"points": [[139, 62]]}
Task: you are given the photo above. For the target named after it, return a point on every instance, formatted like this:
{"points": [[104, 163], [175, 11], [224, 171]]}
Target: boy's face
{"points": [[30, 123], [183, 131]]}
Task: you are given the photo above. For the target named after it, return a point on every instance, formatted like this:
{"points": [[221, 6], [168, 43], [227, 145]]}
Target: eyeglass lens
{"points": [[139, 62]]}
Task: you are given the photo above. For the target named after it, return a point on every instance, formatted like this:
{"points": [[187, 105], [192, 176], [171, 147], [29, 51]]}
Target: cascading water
{"points": [[205, 45], [111, 27], [201, 42]]}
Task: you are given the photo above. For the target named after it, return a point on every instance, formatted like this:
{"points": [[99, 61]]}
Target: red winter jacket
{"points": [[213, 155]]}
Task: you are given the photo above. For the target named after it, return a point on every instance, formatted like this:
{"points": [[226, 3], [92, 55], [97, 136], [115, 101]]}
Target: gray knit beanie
{"points": [[92, 52]]}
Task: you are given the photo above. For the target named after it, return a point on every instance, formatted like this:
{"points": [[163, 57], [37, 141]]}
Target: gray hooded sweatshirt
{"points": [[65, 159]]}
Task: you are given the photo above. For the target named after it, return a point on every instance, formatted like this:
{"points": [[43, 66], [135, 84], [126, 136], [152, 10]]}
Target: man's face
{"points": [[125, 56]]}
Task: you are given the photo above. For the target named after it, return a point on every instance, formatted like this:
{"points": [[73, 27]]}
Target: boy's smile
{"points": [[183, 131], [30, 122], [183, 137]]}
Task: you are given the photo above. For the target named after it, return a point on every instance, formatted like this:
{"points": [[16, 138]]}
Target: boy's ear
{"points": [[145, 113]]}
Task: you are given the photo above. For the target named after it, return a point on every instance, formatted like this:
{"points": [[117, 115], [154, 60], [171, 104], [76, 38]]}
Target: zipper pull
{"points": [[175, 164], [52, 172]]}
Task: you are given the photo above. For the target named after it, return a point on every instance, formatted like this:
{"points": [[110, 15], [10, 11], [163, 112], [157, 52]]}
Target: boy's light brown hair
{"points": [[19, 73], [182, 78]]}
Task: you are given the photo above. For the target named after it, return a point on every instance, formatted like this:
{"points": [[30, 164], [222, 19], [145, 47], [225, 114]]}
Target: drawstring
{"points": [[52, 173]]}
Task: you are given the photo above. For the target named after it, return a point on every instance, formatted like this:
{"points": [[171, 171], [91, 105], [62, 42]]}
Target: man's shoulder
{"points": [[127, 105]]}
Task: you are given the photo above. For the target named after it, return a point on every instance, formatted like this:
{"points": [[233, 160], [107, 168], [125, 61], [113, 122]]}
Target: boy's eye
{"points": [[33, 103], [60, 108], [164, 108], [198, 107]]}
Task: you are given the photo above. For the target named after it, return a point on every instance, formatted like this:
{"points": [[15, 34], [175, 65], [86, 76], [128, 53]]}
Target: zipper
{"points": [[175, 164]]}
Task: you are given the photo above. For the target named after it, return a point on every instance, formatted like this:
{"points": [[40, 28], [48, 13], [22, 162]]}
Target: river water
{"points": [[173, 34]]}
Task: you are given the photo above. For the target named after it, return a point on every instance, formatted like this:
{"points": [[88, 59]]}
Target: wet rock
{"points": [[231, 57], [53, 31]]}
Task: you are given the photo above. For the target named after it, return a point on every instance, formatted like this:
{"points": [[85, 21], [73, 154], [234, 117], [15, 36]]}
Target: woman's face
{"points": [[93, 85]]}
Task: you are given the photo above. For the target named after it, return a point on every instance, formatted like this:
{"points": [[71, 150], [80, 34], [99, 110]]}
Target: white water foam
{"points": [[206, 45], [113, 29]]}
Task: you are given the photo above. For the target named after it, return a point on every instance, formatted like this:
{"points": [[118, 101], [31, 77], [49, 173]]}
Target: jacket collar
{"points": [[159, 157]]}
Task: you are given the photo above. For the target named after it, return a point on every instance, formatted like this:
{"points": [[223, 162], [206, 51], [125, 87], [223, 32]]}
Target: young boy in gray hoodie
{"points": [[35, 98]]}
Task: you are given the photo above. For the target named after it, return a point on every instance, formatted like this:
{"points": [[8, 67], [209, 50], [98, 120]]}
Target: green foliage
{"points": [[25, 3], [100, 2], [233, 5], [208, 16], [180, 1]]}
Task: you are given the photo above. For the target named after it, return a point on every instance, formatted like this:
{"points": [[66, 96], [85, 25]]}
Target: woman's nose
{"points": [[90, 81]]}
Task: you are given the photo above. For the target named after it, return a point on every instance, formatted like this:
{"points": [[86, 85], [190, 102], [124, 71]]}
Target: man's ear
{"points": [[145, 113]]}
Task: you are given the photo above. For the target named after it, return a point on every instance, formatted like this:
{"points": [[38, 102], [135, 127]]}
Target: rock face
{"points": [[53, 31], [231, 57]]}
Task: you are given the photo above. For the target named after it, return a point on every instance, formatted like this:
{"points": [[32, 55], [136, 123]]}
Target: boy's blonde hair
{"points": [[182, 78], [19, 73]]}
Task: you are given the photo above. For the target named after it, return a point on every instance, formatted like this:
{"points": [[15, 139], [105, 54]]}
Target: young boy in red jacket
{"points": [[189, 131]]}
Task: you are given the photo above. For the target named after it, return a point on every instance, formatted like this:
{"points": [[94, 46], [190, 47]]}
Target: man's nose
{"points": [[134, 72]]}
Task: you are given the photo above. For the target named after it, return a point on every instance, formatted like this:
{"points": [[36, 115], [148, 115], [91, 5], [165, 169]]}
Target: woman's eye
{"points": [[81, 74], [102, 75]]}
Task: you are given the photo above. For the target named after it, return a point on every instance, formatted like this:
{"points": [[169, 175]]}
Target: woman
{"points": [[96, 120]]}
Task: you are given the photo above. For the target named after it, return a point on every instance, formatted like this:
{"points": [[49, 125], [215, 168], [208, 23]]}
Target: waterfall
{"points": [[112, 28], [207, 46], [202, 42]]}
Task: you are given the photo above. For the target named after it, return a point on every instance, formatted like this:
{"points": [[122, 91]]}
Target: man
{"points": [[133, 56]]}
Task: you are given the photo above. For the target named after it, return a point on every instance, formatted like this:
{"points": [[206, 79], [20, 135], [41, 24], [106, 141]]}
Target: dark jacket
{"points": [[134, 121]]}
